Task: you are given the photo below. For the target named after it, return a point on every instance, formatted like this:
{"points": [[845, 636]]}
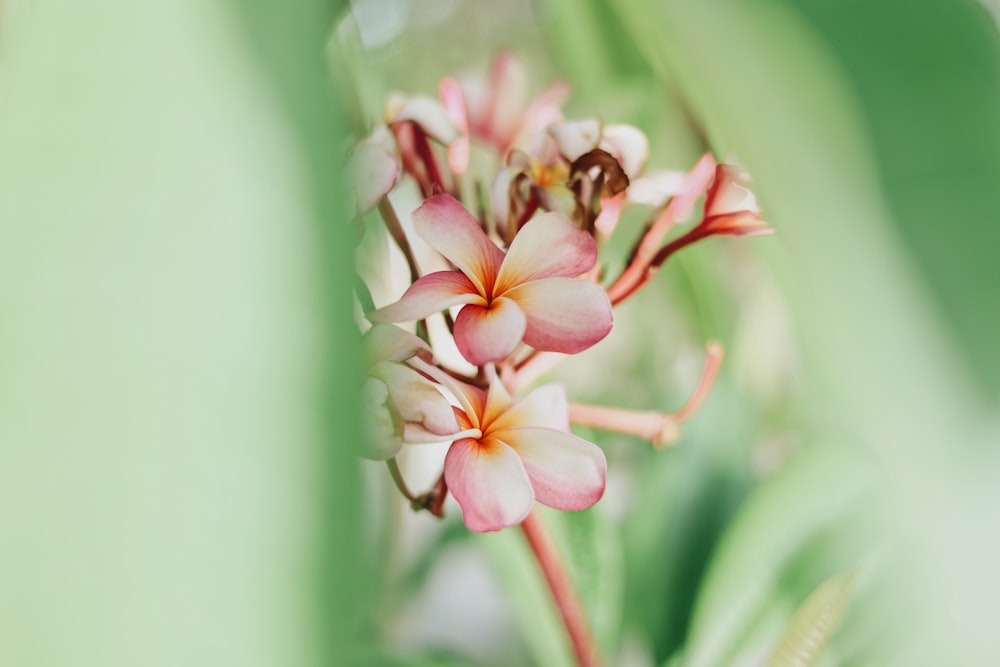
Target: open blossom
{"points": [[402, 406], [517, 453], [529, 294]]}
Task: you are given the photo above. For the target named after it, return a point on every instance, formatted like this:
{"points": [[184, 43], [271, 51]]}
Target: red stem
{"points": [[562, 591]]}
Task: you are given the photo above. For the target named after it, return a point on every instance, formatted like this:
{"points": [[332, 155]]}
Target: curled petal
{"points": [[502, 194], [383, 425], [384, 342], [488, 480], [544, 407], [374, 171], [489, 334], [629, 146], [574, 138], [431, 294], [548, 245], [740, 223], [567, 472], [564, 314], [656, 188], [611, 213], [416, 399], [426, 112], [730, 192], [451, 230]]}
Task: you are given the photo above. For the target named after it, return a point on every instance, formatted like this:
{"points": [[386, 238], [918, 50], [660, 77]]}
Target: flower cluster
{"points": [[518, 202]]}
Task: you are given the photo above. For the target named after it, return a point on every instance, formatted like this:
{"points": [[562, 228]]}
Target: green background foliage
{"points": [[178, 418]]}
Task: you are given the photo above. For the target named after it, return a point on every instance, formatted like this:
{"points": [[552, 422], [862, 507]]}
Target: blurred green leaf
{"points": [[820, 486], [684, 498], [813, 623], [536, 612], [591, 553], [928, 79], [177, 416]]}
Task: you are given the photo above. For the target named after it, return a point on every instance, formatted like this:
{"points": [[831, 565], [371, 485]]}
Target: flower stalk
{"points": [[567, 602], [661, 429]]}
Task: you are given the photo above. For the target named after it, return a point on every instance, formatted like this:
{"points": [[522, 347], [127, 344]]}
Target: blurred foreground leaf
{"points": [[813, 624]]}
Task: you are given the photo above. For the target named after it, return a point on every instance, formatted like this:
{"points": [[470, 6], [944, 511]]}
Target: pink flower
{"points": [[497, 110], [529, 294], [524, 452]]}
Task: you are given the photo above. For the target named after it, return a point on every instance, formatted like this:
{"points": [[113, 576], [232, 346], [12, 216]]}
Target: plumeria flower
{"points": [[573, 164], [530, 181], [517, 453], [497, 110], [529, 294], [402, 406]]}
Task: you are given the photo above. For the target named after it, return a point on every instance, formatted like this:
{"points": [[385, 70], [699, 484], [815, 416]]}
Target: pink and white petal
{"points": [[508, 97], [489, 482], [730, 192], [426, 112], [544, 407], [453, 101], [498, 401], [629, 146], [385, 342], [431, 294], [458, 155], [489, 334], [656, 188], [548, 245], [564, 314], [611, 213], [576, 137], [416, 398], [567, 472], [546, 108], [501, 196], [475, 94], [451, 230], [373, 171], [694, 186]]}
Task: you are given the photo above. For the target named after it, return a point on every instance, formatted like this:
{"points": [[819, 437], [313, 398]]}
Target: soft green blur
{"points": [[177, 421], [177, 427]]}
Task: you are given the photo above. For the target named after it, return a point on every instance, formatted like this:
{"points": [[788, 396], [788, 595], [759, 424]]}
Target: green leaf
{"points": [[590, 550], [821, 486], [533, 606], [813, 624]]}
